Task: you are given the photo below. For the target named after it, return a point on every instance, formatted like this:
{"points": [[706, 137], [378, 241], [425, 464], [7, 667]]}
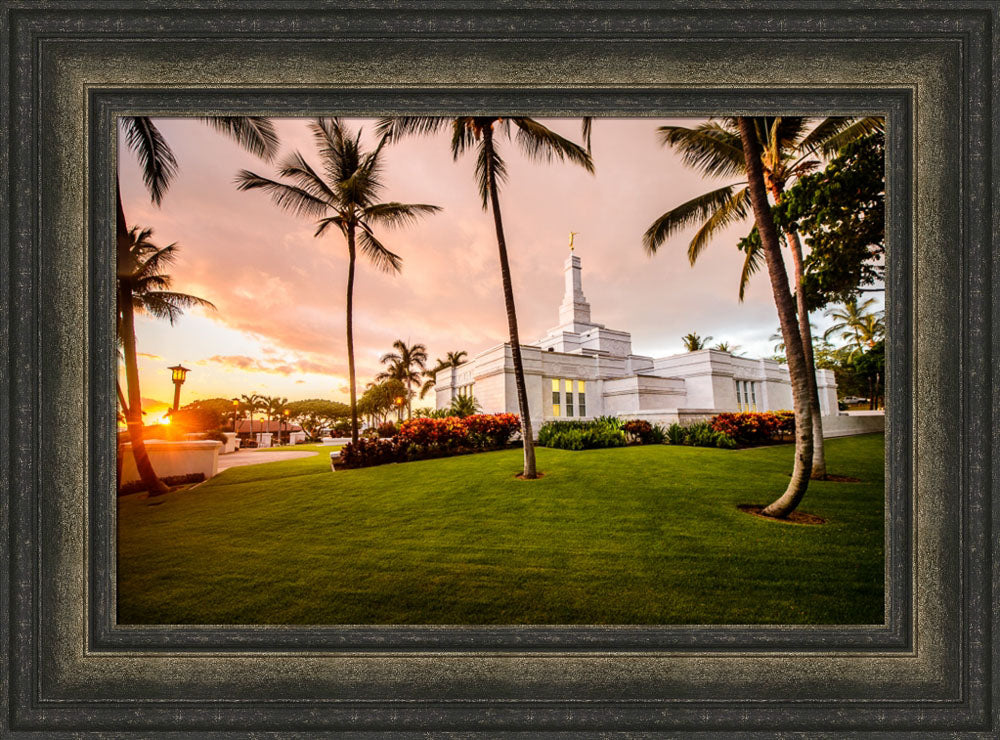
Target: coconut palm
{"points": [[144, 288], [159, 166], [856, 324], [752, 132], [451, 360], [252, 402], [408, 364], [539, 143], [788, 149], [727, 347], [345, 197], [694, 342], [462, 406]]}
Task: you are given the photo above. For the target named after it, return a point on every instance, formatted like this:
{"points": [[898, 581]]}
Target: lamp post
{"points": [[236, 410], [178, 373], [287, 436], [399, 403]]}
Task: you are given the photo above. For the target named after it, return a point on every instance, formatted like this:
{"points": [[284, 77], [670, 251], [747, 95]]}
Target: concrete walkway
{"points": [[255, 457]]}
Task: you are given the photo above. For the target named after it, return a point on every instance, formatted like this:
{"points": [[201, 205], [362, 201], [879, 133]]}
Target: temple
{"points": [[581, 369]]}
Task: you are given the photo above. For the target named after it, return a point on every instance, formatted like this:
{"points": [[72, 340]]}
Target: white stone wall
{"points": [[174, 458]]}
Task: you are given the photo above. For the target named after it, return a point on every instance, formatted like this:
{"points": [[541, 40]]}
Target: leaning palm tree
{"points": [[144, 288], [752, 132], [539, 143], [409, 363], [159, 166], [346, 197], [788, 149]]}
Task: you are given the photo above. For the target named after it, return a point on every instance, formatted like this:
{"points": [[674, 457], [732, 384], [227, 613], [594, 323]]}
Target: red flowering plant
{"points": [[491, 431], [639, 431], [748, 427], [424, 431]]}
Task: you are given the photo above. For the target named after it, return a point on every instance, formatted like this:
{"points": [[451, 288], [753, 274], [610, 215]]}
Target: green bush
{"points": [[581, 435], [700, 434]]}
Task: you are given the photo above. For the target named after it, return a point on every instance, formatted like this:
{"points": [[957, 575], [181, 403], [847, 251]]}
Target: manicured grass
{"points": [[635, 535]]}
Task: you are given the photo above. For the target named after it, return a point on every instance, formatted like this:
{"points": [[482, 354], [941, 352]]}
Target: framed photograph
{"points": [[425, 368]]}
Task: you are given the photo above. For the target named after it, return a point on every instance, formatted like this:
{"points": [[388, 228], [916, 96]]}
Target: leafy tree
{"points": [[203, 415], [694, 342], [841, 213], [144, 288], [380, 399], [787, 148], [159, 166], [539, 143], [347, 198], [857, 324], [313, 414]]}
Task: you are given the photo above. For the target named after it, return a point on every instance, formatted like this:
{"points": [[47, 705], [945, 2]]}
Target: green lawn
{"points": [[635, 535]]}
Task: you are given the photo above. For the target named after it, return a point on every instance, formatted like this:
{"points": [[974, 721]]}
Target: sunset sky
{"points": [[280, 292]]}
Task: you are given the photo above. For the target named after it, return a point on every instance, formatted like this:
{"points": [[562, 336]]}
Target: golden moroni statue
{"points": [[571, 235]]}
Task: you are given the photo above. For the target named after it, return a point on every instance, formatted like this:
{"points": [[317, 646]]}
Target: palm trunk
{"points": [[819, 453], [133, 419], [798, 370], [508, 296], [352, 253]]}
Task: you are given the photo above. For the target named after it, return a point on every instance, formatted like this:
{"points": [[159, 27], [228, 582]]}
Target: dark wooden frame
{"points": [[70, 67]]}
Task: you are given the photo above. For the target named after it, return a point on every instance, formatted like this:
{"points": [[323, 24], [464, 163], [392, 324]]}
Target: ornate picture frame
{"points": [[70, 68]]}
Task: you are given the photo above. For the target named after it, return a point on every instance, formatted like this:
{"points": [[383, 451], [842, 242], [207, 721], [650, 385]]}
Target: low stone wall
{"points": [[846, 425], [174, 458]]}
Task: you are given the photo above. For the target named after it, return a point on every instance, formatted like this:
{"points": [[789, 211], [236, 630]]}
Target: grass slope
{"points": [[636, 535]]}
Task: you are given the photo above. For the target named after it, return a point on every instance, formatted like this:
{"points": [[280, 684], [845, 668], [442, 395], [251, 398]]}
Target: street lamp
{"points": [[399, 403], [178, 373], [287, 436]]}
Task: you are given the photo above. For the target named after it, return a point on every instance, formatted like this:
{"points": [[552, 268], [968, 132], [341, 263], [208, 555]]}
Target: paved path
{"points": [[254, 457]]}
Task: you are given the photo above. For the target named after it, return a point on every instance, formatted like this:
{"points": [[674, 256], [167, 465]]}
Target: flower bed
{"points": [[754, 428], [581, 435], [422, 438]]}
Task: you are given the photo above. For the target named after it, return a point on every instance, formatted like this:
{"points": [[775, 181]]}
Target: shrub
{"points": [[368, 451], [700, 434], [490, 431], [676, 434], [750, 428], [387, 429], [581, 435], [341, 428], [447, 432], [171, 480], [642, 432]]}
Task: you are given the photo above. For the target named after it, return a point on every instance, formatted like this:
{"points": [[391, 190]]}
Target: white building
{"points": [[582, 369]]}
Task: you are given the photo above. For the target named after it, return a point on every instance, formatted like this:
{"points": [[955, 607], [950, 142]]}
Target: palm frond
{"points": [[377, 253], [729, 211], [155, 157], [398, 126], [339, 221], [394, 215], [464, 133], [696, 210], [833, 133], [287, 197], [485, 161], [296, 168], [256, 134], [860, 128], [710, 148], [539, 142], [751, 265], [587, 125]]}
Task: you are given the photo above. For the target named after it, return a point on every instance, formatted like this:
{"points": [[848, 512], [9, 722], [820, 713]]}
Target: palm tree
{"points": [[727, 347], [462, 406], [407, 364], [452, 360], [751, 130], [275, 408], [787, 152], [346, 198], [694, 342], [144, 288], [250, 403], [159, 166], [539, 143], [856, 323]]}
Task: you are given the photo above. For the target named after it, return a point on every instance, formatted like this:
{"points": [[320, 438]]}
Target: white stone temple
{"points": [[581, 369]]}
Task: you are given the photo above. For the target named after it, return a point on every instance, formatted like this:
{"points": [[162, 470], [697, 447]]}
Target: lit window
{"points": [[753, 396], [581, 397], [569, 397], [555, 397]]}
